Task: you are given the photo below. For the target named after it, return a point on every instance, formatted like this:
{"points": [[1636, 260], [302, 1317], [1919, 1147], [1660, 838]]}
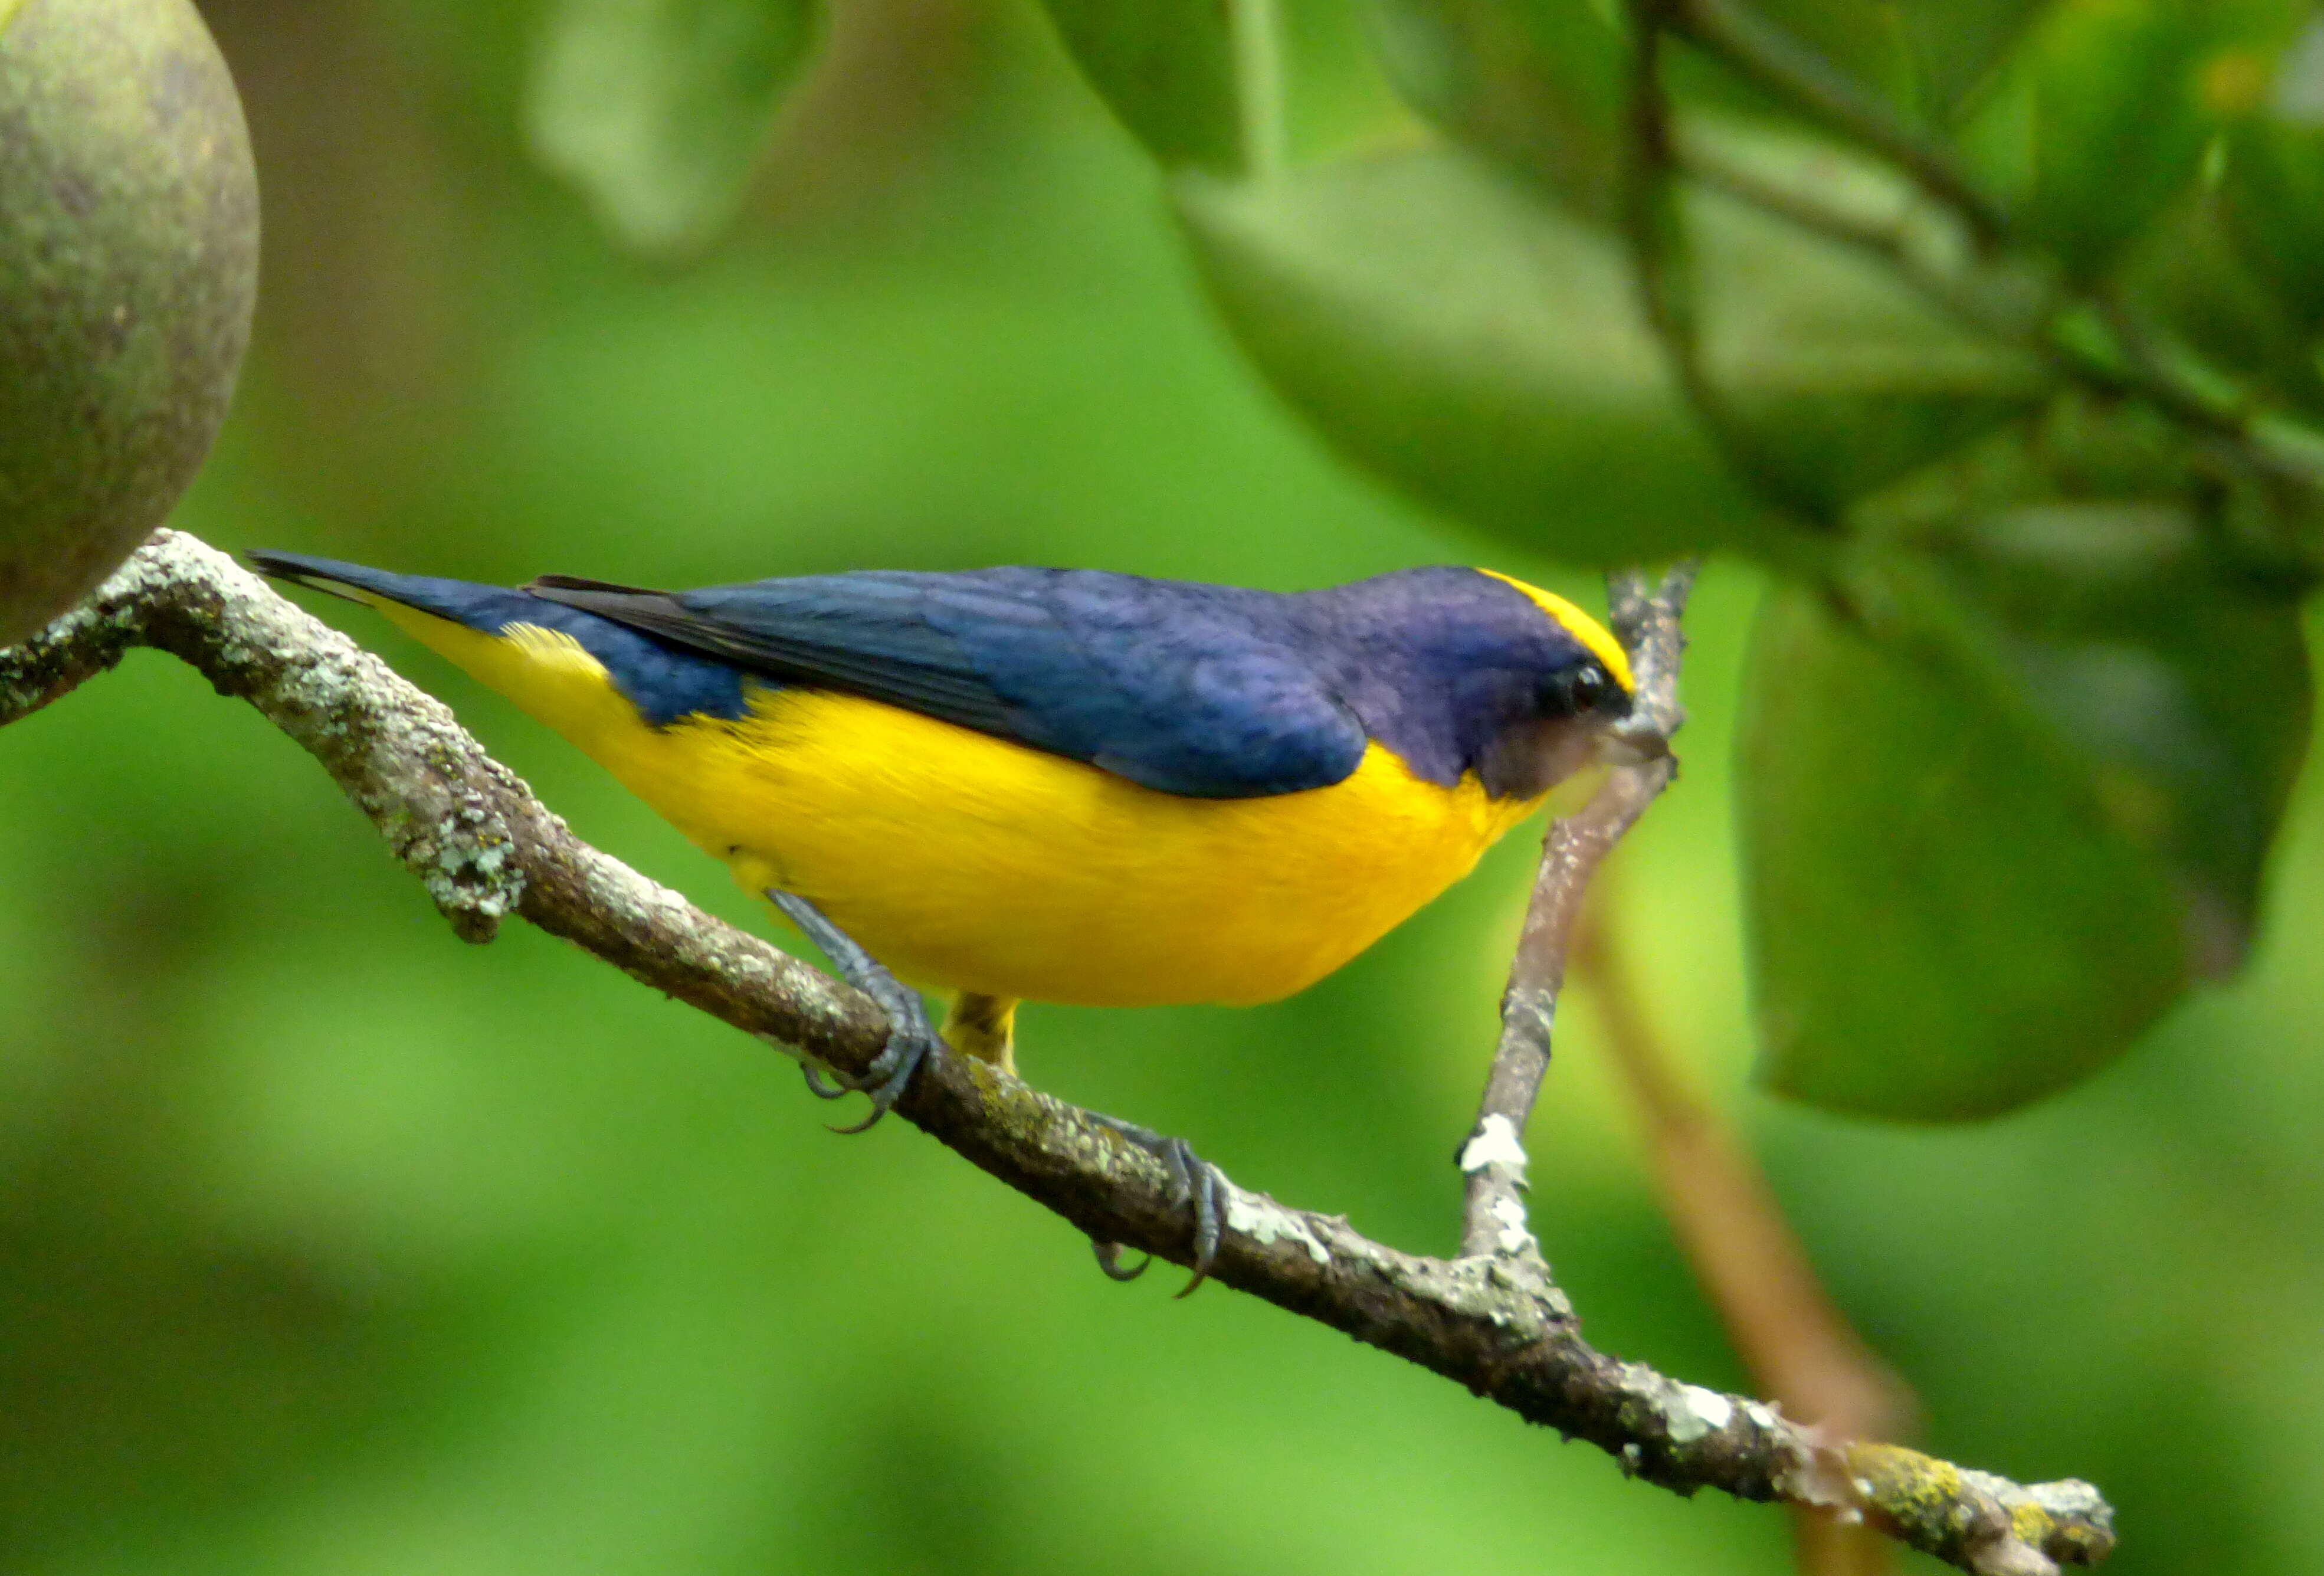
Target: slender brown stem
{"points": [[1798, 1346]]}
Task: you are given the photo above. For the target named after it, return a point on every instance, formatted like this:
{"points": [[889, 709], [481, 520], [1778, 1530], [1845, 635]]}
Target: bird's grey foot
{"points": [[1195, 1182], [911, 1037]]}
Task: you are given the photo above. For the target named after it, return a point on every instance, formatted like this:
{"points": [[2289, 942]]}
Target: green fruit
{"points": [[128, 268]]}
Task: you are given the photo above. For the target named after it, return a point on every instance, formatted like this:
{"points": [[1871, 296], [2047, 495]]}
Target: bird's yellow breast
{"points": [[964, 861]]}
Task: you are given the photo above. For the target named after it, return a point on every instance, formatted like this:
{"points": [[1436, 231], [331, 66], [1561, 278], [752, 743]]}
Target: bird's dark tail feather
{"points": [[489, 608]]}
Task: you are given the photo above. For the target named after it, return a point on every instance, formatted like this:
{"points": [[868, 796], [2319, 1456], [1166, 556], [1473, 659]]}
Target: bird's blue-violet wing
{"points": [[1208, 691]]}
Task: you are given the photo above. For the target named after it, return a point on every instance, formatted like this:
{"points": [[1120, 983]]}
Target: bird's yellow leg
{"points": [[984, 1026]]}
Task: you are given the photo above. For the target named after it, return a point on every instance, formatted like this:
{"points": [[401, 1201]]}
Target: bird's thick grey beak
{"points": [[1631, 743]]}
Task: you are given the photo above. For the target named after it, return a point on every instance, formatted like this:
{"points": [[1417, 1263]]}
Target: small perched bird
{"points": [[1050, 784]]}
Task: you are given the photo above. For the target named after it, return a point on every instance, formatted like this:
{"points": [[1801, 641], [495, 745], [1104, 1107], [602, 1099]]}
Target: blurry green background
{"points": [[330, 1245]]}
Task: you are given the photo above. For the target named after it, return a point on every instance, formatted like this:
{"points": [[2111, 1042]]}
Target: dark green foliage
{"points": [[1536, 83], [2123, 96], [2273, 192], [1484, 350], [1167, 68], [2004, 809], [1833, 376], [2203, 282], [1956, 45]]}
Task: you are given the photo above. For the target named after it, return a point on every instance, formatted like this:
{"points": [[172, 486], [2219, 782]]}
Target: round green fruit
{"points": [[128, 268]]}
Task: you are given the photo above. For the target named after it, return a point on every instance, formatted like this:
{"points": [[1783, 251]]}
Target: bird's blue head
{"points": [[1465, 671]]}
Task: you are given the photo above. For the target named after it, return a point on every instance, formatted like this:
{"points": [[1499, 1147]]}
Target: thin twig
{"points": [[486, 848], [1493, 1160]]}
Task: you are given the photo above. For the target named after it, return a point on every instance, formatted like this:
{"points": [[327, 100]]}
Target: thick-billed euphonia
{"points": [[1051, 784]]}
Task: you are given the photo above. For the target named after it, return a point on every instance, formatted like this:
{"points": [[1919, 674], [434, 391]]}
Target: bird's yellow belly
{"points": [[966, 861], [962, 861]]}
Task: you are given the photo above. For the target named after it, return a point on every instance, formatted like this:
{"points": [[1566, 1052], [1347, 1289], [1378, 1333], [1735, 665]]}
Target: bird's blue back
{"points": [[1207, 691]]}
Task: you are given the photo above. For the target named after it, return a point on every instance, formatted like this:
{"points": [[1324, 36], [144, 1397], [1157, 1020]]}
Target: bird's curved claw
{"points": [[911, 1037], [1195, 1182], [1108, 1259]]}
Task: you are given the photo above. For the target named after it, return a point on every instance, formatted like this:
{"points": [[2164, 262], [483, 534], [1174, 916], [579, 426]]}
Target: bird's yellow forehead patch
{"points": [[1594, 636]]}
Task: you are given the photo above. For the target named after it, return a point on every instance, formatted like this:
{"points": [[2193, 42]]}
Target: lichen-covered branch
{"points": [[485, 848]]}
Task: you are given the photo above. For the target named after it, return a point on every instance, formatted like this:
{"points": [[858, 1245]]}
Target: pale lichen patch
{"points": [[1515, 1237], [1495, 1144], [1695, 1412], [1262, 1220]]}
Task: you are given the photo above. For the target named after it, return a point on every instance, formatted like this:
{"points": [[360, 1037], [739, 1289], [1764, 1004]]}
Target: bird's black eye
{"points": [[1576, 690]]}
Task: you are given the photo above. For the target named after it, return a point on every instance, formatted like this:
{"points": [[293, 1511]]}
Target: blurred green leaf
{"points": [[1489, 353], [2272, 187], [2120, 129], [2121, 97], [2190, 276], [1473, 345], [1956, 45], [1995, 828], [1835, 376], [1936, 933], [1167, 68], [658, 109], [1926, 58], [1866, 43], [1536, 83]]}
